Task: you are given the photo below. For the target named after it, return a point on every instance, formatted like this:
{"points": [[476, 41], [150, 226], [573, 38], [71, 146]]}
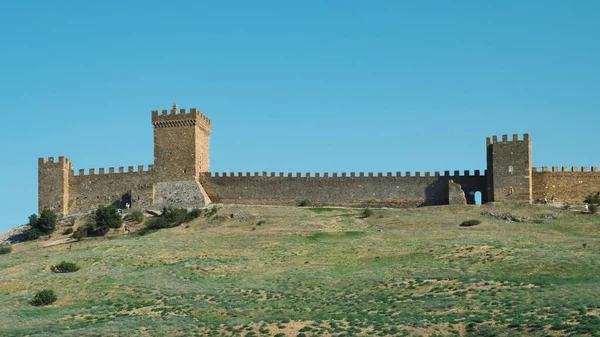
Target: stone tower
{"points": [[181, 153], [181, 143], [509, 169], [53, 184]]}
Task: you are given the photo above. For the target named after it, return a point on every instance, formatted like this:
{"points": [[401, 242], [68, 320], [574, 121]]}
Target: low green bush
{"points": [[136, 216], [367, 212], [44, 297], [158, 222], [303, 203], [210, 212], [5, 249], [590, 199], [593, 208], [65, 267], [195, 213], [67, 231], [80, 233], [470, 222]]}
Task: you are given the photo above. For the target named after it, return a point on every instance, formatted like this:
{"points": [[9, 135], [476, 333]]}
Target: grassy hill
{"points": [[270, 271]]}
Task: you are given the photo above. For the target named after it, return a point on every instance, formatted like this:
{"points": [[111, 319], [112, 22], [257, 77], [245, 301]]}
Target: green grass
{"points": [[321, 273]]}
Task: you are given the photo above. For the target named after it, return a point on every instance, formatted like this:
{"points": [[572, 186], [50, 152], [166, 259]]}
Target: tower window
{"points": [[510, 169]]}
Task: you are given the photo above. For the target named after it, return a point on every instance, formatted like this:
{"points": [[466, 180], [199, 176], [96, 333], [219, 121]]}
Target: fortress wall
{"points": [[565, 184], [345, 189], [88, 191]]}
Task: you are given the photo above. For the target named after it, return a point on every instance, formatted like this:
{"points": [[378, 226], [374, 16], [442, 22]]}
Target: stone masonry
{"points": [[180, 176]]}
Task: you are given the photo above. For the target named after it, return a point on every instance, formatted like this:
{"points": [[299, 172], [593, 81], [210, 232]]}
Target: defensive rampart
{"points": [[112, 187], [339, 189], [565, 184], [180, 176]]}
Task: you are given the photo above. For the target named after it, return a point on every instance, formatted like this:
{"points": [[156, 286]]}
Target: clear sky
{"points": [[310, 86]]}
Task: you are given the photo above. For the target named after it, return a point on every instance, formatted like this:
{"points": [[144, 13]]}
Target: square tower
{"points": [[53, 184], [509, 169], [181, 144]]}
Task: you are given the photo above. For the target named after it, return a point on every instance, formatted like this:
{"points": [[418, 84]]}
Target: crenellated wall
{"points": [[343, 189], [565, 184], [111, 187], [181, 177]]}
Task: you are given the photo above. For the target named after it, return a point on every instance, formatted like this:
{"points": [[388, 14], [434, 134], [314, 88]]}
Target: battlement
{"points": [[178, 118], [52, 161], [505, 139], [565, 169], [398, 174], [112, 171]]}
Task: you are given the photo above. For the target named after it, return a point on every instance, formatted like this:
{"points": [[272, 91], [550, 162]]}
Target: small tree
{"points": [[108, 217], [42, 225]]}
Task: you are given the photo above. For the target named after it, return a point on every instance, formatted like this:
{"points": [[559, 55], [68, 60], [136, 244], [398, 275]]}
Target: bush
{"points": [[469, 223], [145, 231], [42, 225], [103, 219], [210, 212], [32, 234], [80, 233], [367, 212], [174, 216], [157, 223], [590, 199], [44, 297], [65, 267], [67, 231], [593, 208], [136, 216], [195, 213], [303, 203], [5, 249], [108, 217]]}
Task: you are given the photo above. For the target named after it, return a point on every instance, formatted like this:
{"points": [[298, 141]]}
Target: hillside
{"points": [[268, 271]]}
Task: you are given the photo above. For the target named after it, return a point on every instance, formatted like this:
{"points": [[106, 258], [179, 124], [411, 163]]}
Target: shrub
{"points": [[42, 225], [303, 203], [470, 222], [32, 234], [136, 216], [590, 199], [195, 213], [367, 212], [175, 215], [157, 223], [80, 233], [67, 231], [5, 249], [145, 231], [108, 217], [593, 208], [210, 212], [44, 297], [65, 267]]}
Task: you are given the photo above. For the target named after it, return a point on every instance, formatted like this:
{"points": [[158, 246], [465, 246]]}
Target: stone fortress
{"points": [[181, 177]]}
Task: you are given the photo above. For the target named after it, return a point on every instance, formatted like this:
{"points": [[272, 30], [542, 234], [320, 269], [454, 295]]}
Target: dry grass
{"points": [[317, 271]]}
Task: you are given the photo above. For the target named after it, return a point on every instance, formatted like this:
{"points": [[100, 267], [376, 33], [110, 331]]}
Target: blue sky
{"points": [[310, 86]]}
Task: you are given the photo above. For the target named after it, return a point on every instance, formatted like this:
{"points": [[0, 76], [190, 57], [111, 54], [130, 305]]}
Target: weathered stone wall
{"points": [[565, 185], [188, 194], [509, 169], [356, 190], [53, 184], [88, 191], [181, 144]]}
